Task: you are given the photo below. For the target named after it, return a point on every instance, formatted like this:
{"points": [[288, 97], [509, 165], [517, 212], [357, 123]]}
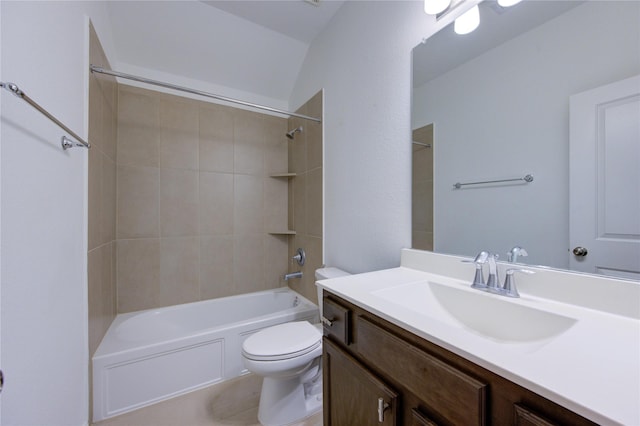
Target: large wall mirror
{"points": [[501, 103]]}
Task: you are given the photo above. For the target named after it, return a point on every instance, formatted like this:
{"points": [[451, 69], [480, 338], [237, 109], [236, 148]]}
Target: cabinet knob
{"points": [[382, 406]]}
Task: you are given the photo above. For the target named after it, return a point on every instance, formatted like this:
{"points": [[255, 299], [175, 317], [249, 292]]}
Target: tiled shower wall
{"points": [[195, 200], [103, 106], [305, 196]]}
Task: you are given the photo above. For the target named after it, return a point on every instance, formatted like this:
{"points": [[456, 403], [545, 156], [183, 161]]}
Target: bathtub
{"points": [[152, 355]]}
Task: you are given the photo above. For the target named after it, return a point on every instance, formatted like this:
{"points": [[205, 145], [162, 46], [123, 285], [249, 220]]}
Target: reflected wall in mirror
{"points": [[498, 104]]}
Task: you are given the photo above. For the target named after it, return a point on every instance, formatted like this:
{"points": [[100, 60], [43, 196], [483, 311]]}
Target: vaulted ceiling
{"points": [[251, 46]]}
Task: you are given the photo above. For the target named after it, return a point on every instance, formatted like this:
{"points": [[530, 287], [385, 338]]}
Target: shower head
{"points": [[290, 133]]}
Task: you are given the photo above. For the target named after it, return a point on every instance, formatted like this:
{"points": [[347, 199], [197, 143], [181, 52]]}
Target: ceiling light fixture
{"points": [[433, 7], [468, 21]]}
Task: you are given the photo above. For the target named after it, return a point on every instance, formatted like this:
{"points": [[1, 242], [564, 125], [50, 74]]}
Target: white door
{"points": [[604, 180]]}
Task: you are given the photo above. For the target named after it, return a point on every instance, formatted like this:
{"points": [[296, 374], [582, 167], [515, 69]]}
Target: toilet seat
{"points": [[283, 341]]}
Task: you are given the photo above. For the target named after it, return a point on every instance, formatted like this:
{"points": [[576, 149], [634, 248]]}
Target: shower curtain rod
{"points": [[101, 70], [66, 142]]}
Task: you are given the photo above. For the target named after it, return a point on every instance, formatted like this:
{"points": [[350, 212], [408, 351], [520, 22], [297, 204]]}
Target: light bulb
{"points": [[433, 7], [507, 3], [468, 21]]}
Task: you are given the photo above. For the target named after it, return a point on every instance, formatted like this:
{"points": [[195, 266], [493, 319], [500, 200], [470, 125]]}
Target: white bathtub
{"points": [[149, 356]]}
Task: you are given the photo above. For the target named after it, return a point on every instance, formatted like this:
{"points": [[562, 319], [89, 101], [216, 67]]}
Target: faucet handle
{"points": [[509, 288], [478, 279]]}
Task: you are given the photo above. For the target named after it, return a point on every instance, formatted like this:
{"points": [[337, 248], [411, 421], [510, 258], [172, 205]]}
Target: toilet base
{"points": [[287, 401]]}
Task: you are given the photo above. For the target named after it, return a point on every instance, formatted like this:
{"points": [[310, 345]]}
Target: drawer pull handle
{"points": [[382, 406], [326, 321]]}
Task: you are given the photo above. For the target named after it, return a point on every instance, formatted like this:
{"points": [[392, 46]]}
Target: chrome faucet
{"points": [[512, 255], [509, 288], [298, 274], [478, 280], [493, 285]]}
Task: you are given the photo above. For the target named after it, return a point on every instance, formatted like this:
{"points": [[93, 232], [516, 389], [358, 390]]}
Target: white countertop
{"points": [[593, 368]]}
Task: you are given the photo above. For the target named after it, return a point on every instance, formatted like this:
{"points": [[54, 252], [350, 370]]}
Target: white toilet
{"points": [[288, 357]]}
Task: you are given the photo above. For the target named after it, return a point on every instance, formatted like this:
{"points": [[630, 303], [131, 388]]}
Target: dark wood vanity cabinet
{"points": [[376, 373]]}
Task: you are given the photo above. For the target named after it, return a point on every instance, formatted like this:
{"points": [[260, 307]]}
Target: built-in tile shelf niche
{"points": [[288, 176]]}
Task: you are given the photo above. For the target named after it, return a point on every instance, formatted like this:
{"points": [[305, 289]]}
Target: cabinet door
{"points": [[453, 396], [352, 394]]}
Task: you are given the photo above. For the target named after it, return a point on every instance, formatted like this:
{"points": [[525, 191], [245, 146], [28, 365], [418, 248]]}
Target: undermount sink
{"points": [[498, 318]]}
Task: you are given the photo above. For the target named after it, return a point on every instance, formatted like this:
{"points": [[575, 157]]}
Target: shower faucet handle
{"points": [[300, 257]]}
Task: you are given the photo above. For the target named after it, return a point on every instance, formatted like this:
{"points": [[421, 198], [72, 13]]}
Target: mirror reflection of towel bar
{"points": [[428, 145], [526, 178]]}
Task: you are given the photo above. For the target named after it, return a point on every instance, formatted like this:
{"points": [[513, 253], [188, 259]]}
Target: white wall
{"points": [[363, 62], [44, 212], [516, 121], [217, 51]]}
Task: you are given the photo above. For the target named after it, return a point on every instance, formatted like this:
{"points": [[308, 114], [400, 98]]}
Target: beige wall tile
{"points": [[107, 289], [109, 117], [178, 134], [215, 191], [276, 260], [314, 202], [94, 198], [138, 271], [248, 205], [178, 203], [179, 270], [108, 202], [314, 105], [100, 294], [275, 204], [248, 263], [299, 184], [216, 203], [276, 145], [138, 128], [216, 267], [94, 279], [96, 101], [313, 250], [314, 145], [298, 146], [138, 198], [216, 139], [249, 143], [101, 198]]}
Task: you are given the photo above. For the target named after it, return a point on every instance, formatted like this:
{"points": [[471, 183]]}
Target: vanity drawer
{"points": [[451, 394], [336, 321]]}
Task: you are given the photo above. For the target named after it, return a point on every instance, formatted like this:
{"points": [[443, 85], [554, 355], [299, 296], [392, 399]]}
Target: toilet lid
{"points": [[282, 341]]}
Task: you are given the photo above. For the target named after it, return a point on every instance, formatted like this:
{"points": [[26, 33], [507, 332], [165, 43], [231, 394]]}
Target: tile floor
{"points": [[233, 403]]}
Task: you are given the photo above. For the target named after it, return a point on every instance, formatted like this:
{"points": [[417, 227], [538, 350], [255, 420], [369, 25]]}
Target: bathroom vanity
{"points": [[415, 345]]}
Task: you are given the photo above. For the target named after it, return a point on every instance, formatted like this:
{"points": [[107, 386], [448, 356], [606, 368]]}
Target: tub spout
{"points": [[293, 275]]}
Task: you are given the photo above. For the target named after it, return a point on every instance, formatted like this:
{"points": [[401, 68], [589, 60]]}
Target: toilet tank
{"points": [[325, 274]]}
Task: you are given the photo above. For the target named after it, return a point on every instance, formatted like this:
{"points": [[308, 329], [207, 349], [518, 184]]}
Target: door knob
{"points": [[580, 251]]}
